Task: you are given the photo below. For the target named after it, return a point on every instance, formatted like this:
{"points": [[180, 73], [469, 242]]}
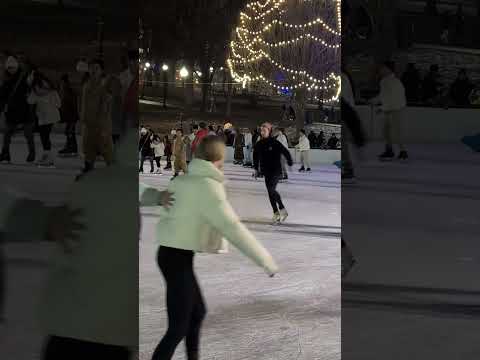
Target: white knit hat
{"points": [[11, 63]]}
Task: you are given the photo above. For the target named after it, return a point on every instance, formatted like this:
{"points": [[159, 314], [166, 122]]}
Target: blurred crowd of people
{"points": [[431, 90], [174, 152], [102, 103]]}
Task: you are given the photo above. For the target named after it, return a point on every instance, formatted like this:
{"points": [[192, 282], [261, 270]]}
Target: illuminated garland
{"points": [[251, 54]]}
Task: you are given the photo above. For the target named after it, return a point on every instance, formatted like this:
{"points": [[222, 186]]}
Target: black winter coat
{"points": [[267, 157], [18, 111]]}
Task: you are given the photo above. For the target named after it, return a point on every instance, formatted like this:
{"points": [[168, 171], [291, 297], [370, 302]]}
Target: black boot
{"points": [[403, 155], [5, 157], [31, 157], [388, 154]]}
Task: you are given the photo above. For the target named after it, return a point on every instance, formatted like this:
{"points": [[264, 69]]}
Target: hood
{"points": [[205, 169]]}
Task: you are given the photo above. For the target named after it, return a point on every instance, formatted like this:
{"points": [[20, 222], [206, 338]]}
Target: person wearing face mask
{"points": [[201, 198], [47, 103], [95, 115], [13, 104]]}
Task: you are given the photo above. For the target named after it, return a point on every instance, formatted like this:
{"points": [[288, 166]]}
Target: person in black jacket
{"points": [[13, 102], [267, 161], [145, 149]]}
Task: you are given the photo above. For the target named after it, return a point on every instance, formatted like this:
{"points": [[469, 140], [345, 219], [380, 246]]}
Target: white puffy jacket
{"points": [[304, 144], [201, 216]]}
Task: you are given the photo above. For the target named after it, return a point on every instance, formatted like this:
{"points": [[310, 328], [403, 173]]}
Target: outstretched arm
{"points": [[221, 216]]}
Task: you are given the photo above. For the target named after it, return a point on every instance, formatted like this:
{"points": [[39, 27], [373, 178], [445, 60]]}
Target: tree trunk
{"points": [[228, 111], [300, 101], [189, 90]]}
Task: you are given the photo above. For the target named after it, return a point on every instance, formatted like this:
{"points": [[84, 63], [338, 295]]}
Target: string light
{"points": [[250, 51]]}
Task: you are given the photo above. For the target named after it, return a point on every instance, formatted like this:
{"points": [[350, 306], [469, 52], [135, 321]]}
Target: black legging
{"points": [[157, 160], [142, 161], [60, 348], [45, 131], [185, 305], [271, 181], [28, 133]]}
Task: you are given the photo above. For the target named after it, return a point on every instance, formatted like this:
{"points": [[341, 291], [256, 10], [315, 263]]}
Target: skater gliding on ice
{"points": [[304, 148], [197, 222], [267, 161]]}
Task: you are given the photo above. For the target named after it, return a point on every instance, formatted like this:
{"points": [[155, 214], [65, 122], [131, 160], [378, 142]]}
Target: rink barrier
{"points": [[317, 157], [425, 124]]}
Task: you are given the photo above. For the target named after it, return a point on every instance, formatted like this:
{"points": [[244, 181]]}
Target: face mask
{"points": [[143, 131]]}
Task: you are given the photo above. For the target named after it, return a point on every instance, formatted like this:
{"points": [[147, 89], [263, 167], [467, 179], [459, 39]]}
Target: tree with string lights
{"points": [[290, 47]]}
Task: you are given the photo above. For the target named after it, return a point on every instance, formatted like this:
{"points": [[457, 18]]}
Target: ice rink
{"points": [[295, 315]]}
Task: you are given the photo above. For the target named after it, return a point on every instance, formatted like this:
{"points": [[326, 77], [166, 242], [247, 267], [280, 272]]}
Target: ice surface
{"points": [[295, 315]]}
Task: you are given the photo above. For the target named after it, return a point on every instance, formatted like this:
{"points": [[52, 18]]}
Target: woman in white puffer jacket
{"points": [[197, 222]]}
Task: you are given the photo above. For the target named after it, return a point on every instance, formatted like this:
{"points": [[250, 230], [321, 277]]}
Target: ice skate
{"points": [[302, 169], [30, 158], [45, 161], [276, 218], [387, 155], [403, 156], [283, 215], [68, 152]]}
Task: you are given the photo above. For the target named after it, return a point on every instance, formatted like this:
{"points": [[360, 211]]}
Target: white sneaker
{"points": [[276, 218], [283, 215], [159, 172]]}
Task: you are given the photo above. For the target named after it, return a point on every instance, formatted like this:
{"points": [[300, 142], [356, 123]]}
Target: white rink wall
{"points": [[317, 157], [425, 125]]}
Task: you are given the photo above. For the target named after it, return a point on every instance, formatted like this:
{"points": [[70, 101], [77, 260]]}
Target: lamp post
{"points": [[184, 74], [165, 84]]}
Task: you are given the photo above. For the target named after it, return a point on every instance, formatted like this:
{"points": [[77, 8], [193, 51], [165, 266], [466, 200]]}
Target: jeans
{"points": [[28, 133], [60, 348], [142, 161], [248, 155], [185, 305], [271, 181]]}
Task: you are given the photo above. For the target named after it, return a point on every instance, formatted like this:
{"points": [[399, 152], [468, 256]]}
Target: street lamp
{"points": [[165, 84], [147, 65], [184, 74]]}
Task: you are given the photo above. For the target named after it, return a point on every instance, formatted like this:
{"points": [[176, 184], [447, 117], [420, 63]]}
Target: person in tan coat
{"points": [[179, 151], [95, 116]]}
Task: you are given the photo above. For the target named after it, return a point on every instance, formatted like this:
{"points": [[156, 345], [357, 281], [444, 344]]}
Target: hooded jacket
{"points": [[201, 202]]}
